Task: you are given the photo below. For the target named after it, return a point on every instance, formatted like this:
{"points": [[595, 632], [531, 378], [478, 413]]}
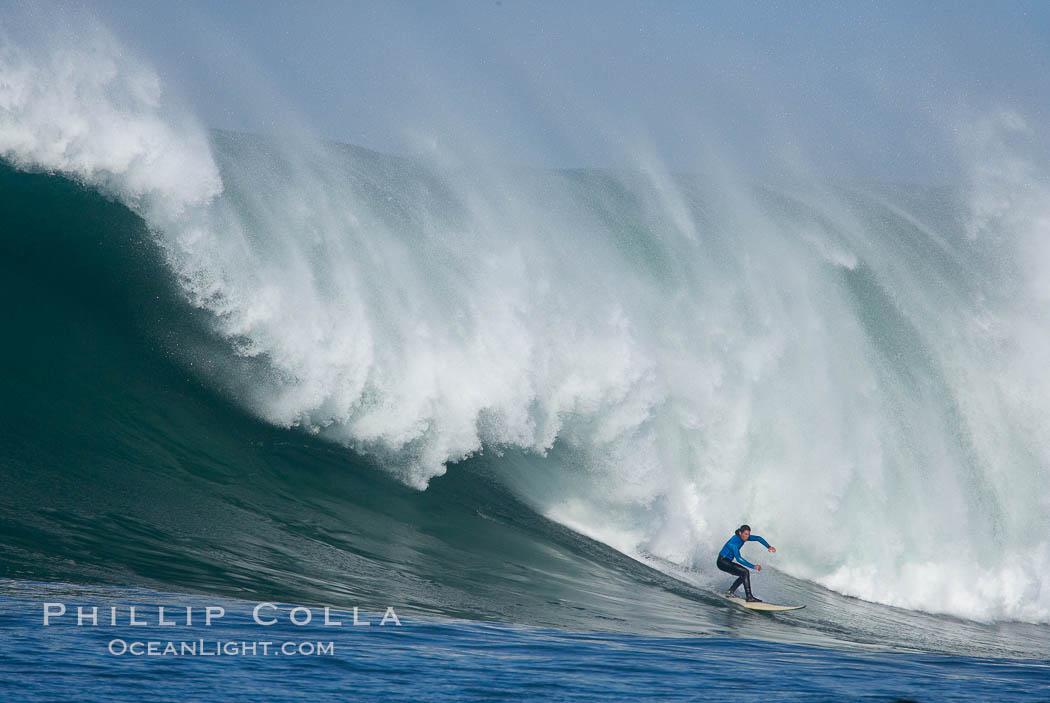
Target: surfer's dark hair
{"points": [[742, 528]]}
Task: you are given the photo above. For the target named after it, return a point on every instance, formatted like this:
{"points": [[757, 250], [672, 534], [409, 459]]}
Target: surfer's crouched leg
{"points": [[743, 576]]}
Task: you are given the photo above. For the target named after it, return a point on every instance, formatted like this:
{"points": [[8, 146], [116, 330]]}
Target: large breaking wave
{"points": [[857, 371]]}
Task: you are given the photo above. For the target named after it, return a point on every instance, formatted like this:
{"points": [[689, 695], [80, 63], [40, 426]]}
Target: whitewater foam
{"points": [[73, 101]]}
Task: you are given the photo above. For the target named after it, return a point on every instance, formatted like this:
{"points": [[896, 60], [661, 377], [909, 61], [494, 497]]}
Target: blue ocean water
{"points": [[442, 659]]}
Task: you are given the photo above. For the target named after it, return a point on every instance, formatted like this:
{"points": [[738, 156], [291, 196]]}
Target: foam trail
{"points": [[855, 373]]}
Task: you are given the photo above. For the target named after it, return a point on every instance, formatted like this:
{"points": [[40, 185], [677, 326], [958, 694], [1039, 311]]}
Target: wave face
{"points": [[647, 358]]}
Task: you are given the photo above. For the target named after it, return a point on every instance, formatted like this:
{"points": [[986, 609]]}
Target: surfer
{"points": [[731, 551]]}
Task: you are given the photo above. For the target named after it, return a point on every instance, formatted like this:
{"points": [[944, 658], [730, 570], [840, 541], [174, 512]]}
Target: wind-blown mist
{"points": [[855, 371]]}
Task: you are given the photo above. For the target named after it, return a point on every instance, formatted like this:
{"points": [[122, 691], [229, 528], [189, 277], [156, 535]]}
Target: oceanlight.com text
{"points": [[218, 648]]}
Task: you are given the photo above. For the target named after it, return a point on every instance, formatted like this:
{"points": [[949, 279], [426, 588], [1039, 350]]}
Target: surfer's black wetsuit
{"points": [[731, 551]]}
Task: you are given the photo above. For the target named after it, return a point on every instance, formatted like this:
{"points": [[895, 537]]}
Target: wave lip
{"points": [[74, 101]]}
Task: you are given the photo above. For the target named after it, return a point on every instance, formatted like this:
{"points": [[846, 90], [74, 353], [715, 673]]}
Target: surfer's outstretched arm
{"points": [[742, 560], [767, 545]]}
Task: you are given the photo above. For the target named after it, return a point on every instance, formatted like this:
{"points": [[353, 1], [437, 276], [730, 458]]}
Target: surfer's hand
{"points": [[758, 567], [772, 549]]}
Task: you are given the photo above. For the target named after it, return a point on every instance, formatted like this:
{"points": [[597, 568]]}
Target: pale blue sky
{"points": [[867, 90]]}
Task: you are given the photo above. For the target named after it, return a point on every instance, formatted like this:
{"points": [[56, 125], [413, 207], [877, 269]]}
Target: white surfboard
{"points": [[763, 606]]}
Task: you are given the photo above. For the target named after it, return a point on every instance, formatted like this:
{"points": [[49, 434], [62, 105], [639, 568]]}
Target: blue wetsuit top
{"points": [[731, 550]]}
